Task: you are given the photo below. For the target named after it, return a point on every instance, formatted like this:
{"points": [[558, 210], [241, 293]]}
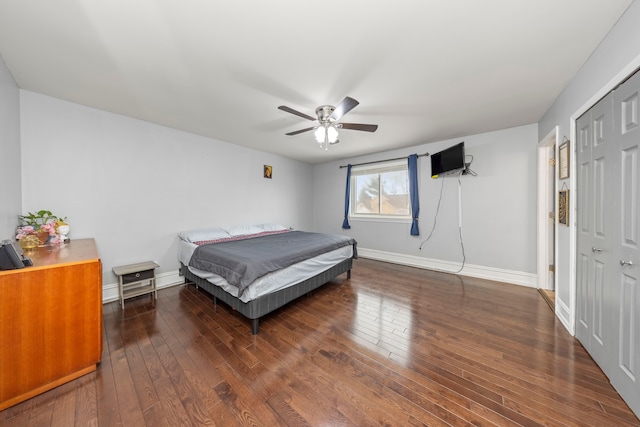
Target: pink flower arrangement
{"points": [[24, 231], [49, 228], [39, 222]]}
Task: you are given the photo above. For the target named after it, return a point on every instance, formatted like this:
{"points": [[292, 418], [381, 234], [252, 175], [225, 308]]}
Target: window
{"points": [[380, 191]]}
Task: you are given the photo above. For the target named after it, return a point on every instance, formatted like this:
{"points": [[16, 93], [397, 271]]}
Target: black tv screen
{"points": [[447, 161]]}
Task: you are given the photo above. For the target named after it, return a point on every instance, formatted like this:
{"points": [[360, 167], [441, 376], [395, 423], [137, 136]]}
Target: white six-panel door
{"points": [[608, 227], [625, 376], [593, 326]]}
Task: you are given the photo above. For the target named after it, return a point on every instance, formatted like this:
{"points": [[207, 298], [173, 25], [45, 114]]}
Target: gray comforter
{"points": [[241, 262]]}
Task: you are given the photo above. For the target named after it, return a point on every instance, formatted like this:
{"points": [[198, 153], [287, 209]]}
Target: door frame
{"points": [[547, 150]]}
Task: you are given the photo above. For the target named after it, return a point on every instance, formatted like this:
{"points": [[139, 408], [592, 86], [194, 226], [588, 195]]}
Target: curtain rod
{"points": [[381, 161]]}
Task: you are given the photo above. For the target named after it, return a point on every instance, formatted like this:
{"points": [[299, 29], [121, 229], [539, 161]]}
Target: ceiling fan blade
{"points": [[359, 126], [343, 108], [299, 131], [297, 113]]}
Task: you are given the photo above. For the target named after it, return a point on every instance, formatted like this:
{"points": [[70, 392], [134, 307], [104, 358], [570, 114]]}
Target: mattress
{"points": [[271, 282]]}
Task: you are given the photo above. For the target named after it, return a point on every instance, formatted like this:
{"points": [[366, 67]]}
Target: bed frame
{"points": [[257, 308]]}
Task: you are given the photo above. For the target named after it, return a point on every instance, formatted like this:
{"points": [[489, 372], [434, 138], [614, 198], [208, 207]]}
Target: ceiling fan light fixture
{"points": [[326, 134], [332, 134], [319, 134]]}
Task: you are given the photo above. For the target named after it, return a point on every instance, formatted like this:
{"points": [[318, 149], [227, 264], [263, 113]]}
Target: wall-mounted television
{"points": [[448, 161]]}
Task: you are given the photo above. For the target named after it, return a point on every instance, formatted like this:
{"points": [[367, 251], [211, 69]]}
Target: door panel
{"points": [[628, 323], [582, 312], [603, 328], [624, 374], [583, 199], [599, 192], [629, 171], [599, 285], [595, 328]]}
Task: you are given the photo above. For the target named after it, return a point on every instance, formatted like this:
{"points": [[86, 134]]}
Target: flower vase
{"points": [[29, 241], [42, 237]]}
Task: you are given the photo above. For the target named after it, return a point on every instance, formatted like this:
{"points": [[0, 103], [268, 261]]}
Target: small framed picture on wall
{"points": [[268, 171], [563, 207], [563, 152]]}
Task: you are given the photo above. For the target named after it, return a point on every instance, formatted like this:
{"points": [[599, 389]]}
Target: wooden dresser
{"points": [[50, 320]]}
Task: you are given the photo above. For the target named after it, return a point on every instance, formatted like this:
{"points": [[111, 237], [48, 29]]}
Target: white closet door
{"points": [[594, 326], [584, 226], [625, 372], [584, 211]]}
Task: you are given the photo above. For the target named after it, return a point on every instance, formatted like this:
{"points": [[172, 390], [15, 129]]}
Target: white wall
{"points": [[133, 185], [498, 209], [615, 57], [10, 190]]}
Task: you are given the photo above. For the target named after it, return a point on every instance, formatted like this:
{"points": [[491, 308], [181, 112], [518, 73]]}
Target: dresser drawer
{"points": [[137, 276]]}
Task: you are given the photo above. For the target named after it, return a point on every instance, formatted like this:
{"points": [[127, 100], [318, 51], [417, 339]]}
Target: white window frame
{"points": [[378, 167]]}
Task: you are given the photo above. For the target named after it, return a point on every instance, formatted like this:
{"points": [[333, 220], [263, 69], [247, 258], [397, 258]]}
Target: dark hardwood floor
{"points": [[392, 346]]}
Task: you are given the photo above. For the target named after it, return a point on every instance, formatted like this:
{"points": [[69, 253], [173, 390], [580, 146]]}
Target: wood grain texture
{"points": [[50, 320], [393, 345]]}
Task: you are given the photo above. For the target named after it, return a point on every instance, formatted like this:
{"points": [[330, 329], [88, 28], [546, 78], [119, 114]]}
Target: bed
{"points": [[259, 268]]}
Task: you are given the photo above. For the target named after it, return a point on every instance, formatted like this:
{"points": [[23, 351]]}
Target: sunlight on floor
{"points": [[383, 324]]}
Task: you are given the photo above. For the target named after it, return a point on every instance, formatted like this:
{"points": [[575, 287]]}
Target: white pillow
{"points": [[203, 234], [271, 227], [242, 230]]}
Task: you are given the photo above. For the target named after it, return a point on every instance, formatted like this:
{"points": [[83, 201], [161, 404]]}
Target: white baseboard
{"points": [[111, 292], [563, 313], [481, 272]]}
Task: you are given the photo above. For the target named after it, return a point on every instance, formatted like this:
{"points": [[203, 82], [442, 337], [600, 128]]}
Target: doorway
{"points": [[547, 217]]}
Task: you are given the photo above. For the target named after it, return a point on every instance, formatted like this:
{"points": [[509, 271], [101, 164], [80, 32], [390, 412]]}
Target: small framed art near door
{"points": [[563, 151], [563, 207]]}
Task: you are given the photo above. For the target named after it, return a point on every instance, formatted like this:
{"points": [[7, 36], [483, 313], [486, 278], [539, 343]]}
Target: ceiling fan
{"points": [[326, 132]]}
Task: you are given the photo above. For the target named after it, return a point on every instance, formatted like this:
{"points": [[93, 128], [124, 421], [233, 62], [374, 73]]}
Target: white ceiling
{"points": [[423, 70]]}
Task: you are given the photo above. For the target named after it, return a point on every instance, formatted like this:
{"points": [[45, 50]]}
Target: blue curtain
{"points": [[413, 193], [347, 194]]}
